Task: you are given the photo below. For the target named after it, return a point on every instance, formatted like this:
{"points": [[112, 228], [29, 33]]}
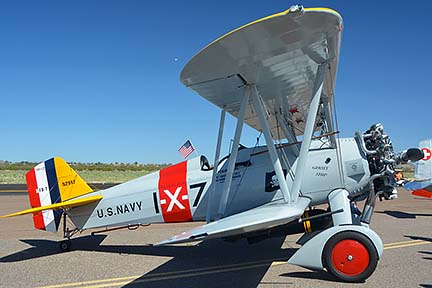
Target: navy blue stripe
{"points": [[54, 188], [52, 181]]}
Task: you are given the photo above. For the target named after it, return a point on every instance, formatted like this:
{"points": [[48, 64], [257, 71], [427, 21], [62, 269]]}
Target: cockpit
{"points": [[204, 164]]}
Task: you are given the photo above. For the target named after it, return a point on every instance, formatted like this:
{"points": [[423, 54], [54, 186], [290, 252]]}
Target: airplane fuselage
{"points": [[179, 193]]}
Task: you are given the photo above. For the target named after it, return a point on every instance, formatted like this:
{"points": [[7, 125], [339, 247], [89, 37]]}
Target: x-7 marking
{"points": [[174, 199]]}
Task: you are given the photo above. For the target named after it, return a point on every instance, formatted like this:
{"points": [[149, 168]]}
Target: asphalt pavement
{"points": [[124, 258]]}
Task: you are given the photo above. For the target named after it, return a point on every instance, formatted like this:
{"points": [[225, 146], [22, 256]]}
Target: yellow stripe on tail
{"points": [[70, 184]]}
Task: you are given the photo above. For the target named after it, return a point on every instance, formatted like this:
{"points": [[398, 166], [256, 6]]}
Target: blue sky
{"points": [[99, 80]]}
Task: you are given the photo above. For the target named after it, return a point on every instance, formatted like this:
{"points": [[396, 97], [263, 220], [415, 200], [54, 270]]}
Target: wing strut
{"points": [[270, 145], [309, 128], [288, 133], [233, 155], [215, 165]]}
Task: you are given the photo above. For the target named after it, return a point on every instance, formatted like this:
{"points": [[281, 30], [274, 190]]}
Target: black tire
{"points": [[338, 262], [65, 245]]}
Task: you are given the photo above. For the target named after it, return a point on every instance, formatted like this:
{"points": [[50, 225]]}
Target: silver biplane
{"points": [[277, 75], [421, 184]]}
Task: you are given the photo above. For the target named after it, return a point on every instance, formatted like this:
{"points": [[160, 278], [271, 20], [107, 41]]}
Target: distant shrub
{"points": [[98, 166]]}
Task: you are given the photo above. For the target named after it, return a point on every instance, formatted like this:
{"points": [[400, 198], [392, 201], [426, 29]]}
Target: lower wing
{"points": [[260, 218]]}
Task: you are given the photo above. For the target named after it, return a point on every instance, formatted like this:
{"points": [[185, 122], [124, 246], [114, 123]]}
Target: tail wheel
{"points": [[350, 256]]}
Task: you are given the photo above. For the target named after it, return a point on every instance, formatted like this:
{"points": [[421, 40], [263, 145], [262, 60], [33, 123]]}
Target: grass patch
{"points": [[110, 176], [18, 176], [12, 176], [98, 166], [14, 172]]}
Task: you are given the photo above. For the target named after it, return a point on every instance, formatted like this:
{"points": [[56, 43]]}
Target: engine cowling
{"points": [[378, 150]]}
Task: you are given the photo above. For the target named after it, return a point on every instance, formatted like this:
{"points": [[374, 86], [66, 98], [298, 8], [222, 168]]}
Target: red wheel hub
{"points": [[350, 257]]}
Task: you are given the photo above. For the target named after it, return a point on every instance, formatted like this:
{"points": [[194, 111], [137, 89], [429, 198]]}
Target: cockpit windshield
{"points": [[205, 165]]}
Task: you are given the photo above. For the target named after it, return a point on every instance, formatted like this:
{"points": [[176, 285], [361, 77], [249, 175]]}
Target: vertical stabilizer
{"points": [[423, 168], [51, 182]]}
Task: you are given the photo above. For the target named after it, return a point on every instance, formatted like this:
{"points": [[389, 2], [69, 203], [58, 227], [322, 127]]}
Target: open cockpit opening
{"points": [[204, 164]]}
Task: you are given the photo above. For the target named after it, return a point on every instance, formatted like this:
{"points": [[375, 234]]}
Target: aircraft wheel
{"points": [[65, 245], [350, 256]]}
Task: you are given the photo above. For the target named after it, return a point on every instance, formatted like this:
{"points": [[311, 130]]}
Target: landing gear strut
{"points": [[348, 251], [65, 245]]}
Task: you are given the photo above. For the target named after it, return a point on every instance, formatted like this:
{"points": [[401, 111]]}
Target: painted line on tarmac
{"points": [[401, 242], [81, 284], [112, 282], [405, 244], [174, 274], [275, 263], [12, 191], [150, 278]]}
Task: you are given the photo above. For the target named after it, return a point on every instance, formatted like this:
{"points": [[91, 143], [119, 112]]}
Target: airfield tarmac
{"points": [[123, 258]]}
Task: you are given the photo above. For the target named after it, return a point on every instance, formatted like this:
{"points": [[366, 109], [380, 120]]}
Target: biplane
{"points": [[276, 75], [421, 184]]}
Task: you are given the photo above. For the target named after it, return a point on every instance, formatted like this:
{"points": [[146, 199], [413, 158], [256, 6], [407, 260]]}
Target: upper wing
{"points": [[262, 217], [280, 54]]}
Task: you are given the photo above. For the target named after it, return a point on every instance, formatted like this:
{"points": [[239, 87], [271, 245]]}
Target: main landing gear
{"points": [[348, 251], [350, 256]]}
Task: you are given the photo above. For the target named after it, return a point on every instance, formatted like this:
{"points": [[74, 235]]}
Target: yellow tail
{"points": [[52, 186], [70, 184]]}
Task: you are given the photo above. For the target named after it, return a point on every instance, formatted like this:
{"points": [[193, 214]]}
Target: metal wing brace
{"points": [[260, 218]]}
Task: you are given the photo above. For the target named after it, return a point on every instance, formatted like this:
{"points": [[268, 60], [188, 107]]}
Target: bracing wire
{"points": [[339, 153]]}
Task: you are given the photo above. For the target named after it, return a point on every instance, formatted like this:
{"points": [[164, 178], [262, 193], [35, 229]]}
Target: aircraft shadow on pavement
{"points": [[426, 253], [412, 237], [403, 215], [44, 247], [212, 263], [424, 239]]}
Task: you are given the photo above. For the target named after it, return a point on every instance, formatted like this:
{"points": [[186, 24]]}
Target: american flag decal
{"points": [[186, 149]]}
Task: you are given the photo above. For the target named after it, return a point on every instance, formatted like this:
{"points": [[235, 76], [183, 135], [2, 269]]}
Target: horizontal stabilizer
{"points": [[260, 218], [56, 206]]}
